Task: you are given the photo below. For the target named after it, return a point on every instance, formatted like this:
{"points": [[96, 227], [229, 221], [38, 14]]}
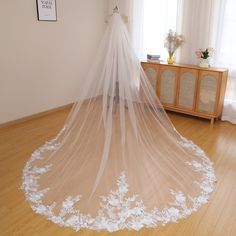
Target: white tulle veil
{"points": [[118, 163]]}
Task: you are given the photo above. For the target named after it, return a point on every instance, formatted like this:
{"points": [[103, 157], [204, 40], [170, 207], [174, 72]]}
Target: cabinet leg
{"points": [[212, 121]]}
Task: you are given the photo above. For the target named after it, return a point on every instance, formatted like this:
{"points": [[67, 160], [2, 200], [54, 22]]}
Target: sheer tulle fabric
{"points": [[118, 163]]}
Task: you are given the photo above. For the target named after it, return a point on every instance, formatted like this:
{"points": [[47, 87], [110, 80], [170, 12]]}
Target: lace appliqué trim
{"points": [[117, 211]]}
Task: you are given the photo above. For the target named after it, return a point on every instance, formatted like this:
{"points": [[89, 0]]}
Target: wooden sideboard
{"points": [[189, 89]]}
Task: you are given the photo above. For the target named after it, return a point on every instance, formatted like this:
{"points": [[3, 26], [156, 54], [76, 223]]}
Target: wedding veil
{"points": [[118, 163]]}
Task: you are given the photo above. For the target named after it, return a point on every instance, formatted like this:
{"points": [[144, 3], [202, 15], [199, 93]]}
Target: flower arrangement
{"points": [[172, 42], [204, 55]]}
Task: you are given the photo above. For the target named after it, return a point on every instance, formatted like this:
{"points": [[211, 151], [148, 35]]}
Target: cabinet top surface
{"points": [[186, 66]]}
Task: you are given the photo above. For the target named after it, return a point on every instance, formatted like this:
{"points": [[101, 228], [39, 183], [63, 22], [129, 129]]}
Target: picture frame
{"points": [[46, 10]]}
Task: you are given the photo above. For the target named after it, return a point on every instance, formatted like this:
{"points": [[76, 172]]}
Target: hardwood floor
{"points": [[218, 218]]}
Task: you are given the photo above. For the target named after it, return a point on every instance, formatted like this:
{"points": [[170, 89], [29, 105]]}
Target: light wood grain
{"points": [[17, 142]]}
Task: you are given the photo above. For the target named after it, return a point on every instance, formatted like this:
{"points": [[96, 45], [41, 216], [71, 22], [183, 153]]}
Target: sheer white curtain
{"points": [[225, 53], [198, 27], [151, 20], [204, 23]]}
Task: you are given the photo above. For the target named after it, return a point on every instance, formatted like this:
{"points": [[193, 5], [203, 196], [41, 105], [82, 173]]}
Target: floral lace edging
{"points": [[117, 211]]}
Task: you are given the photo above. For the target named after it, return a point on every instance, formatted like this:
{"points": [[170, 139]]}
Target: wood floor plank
{"points": [[17, 142]]}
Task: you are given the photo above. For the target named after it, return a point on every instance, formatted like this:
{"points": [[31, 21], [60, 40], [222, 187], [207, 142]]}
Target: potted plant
{"points": [[204, 56]]}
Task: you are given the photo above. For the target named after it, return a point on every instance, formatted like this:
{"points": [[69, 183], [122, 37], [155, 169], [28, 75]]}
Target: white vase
{"points": [[204, 63]]}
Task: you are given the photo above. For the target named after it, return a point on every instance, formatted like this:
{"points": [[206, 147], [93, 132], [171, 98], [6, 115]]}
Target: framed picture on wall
{"points": [[46, 10]]}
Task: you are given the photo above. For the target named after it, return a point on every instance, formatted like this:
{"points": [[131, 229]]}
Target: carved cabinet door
{"points": [[187, 89], [151, 71], [209, 84], [167, 85]]}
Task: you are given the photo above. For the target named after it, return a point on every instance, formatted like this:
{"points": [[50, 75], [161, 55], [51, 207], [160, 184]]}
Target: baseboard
{"points": [[35, 116]]}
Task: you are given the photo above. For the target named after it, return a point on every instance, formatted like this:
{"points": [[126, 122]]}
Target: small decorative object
{"points": [[204, 56], [46, 10], [153, 58], [172, 42]]}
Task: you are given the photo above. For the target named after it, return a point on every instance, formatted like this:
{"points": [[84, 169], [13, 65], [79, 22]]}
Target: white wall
{"points": [[42, 64]]}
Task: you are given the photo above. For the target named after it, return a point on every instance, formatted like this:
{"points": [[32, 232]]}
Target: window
{"points": [[158, 17]]}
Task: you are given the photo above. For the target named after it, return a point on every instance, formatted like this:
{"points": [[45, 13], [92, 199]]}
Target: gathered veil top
{"points": [[118, 163]]}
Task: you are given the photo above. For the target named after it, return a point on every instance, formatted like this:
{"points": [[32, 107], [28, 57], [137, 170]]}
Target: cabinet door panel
{"points": [[187, 89], [151, 72], [168, 82], [152, 76], [208, 90]]}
